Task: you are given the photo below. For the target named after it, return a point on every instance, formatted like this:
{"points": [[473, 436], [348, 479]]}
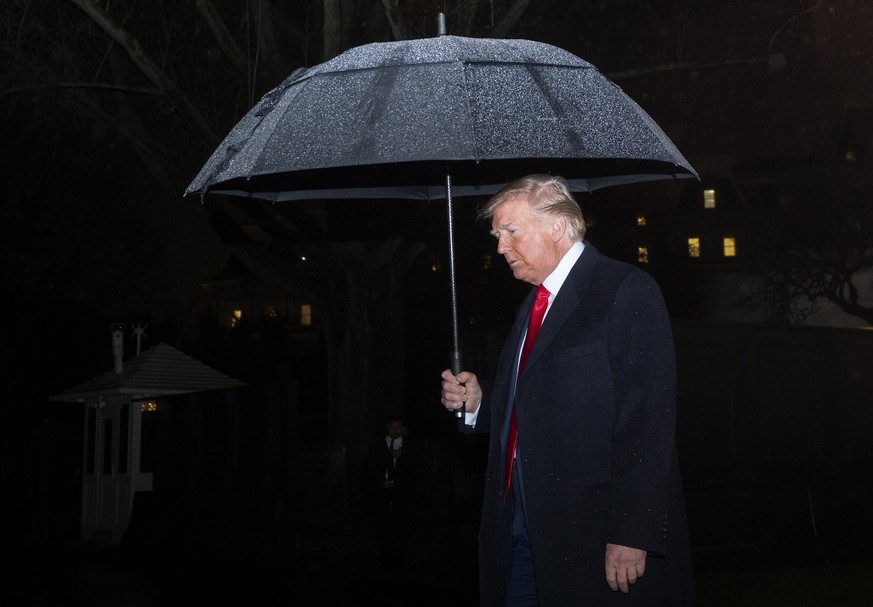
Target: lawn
{"points": [[835, 585]]}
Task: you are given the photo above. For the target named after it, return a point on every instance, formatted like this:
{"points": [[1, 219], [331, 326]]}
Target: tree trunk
{"points": [[366, 375], [333, 29]]}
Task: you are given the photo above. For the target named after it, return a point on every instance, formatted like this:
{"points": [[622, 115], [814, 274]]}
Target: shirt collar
{"points": [[396, 442], [555, 280]]}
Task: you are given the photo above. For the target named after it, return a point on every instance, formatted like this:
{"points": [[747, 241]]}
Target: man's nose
{"points": [[502, 246]]}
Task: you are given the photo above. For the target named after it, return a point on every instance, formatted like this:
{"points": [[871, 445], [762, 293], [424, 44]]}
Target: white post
{"points": [[118, 346]]}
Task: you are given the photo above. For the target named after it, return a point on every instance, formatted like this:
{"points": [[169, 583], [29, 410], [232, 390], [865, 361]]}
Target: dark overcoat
{"points": [[596, 409]]}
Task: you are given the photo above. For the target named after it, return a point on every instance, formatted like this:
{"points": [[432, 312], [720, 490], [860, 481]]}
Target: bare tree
{"points": [[817, 247], [171, 78]]}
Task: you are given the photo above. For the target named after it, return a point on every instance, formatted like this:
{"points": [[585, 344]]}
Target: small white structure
{"points": [[120, 433]]}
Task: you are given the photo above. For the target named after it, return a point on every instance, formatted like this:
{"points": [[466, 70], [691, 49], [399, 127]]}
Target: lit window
{"points": [[693, 247], [708, 199], [148, 406], [305, 315], [643, 254], [235, 318], [730, 246], [641, 220]]}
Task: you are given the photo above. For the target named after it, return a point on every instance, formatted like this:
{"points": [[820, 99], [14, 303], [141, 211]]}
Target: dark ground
{"points": [[336, 563]]}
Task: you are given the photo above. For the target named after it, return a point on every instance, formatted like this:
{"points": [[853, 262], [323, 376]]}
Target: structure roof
{"points": [[159, 371]]}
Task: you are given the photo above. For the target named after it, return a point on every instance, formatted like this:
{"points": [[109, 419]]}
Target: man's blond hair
{"points": [[547, 195]]}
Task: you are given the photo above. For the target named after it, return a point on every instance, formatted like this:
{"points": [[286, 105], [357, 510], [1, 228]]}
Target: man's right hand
{"points": [[461, 391]]}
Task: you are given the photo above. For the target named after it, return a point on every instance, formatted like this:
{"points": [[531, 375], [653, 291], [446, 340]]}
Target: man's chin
{"points": [[518, 271]]}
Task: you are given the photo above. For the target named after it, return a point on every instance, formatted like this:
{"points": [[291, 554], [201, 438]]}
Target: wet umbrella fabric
{"points": [[390, 120]]}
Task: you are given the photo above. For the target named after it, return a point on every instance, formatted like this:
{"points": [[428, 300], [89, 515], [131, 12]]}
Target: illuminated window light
{"points": [[694, 247], [306, 315], [236, 316], [643, 254], [641, 220], [148, 407], [708, 199], [730, 246]]}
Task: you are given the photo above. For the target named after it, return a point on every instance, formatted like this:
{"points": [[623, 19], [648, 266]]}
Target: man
{"points": [[589, 511], [393, 470]]}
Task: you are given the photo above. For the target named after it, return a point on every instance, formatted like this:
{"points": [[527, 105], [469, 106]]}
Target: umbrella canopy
{"points": [[390, 120]]}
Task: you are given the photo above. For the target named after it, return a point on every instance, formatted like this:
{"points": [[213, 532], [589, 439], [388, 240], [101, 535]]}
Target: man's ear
{"points": [[559, 228]]}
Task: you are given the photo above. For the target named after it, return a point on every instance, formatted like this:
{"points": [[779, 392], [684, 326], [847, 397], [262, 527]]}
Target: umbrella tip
{"points": [[441, 24]]}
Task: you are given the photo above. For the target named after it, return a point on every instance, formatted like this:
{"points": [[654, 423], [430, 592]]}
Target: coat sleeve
{"points": [[642, 362]]}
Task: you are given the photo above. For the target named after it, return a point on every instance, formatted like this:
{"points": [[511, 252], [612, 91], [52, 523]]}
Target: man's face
{"points": [[524, 241], [395, 429]]}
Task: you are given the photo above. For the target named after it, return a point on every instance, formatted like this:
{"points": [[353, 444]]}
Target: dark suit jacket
{"points": [[596, 409], [404, 472]]}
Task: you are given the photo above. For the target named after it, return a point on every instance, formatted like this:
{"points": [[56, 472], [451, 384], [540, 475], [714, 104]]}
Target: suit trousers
{"points": [[522, 589]]}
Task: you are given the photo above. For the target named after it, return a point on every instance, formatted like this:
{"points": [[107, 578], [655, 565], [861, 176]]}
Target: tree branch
{"points": [[682, 66], [166, 165], [397, 29], [151, 71], [100, 86], [222, 36], [852, 308], [510, 17], [275, 32]]}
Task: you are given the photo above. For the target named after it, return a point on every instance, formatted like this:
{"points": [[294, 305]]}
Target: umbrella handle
{"points": [[455, 362]]}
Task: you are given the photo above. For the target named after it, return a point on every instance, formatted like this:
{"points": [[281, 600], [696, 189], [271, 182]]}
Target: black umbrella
{"points": [[438, 117]]}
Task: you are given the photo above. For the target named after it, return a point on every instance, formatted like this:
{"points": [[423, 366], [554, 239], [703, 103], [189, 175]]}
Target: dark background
{"points": [[108, 111]]}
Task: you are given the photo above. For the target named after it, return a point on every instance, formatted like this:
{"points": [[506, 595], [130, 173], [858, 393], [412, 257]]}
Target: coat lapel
{"points": [[567, 299]]}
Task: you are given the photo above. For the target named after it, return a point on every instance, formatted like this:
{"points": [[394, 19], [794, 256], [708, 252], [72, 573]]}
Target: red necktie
{"points": [[533, 327]]}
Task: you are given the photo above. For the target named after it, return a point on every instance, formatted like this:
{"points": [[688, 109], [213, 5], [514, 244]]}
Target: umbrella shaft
{"points": [[456, 348]]}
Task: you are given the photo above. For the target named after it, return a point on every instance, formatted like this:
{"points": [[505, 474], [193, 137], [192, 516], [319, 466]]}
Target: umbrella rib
{"points": [[315, 73], [471, 124]]}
